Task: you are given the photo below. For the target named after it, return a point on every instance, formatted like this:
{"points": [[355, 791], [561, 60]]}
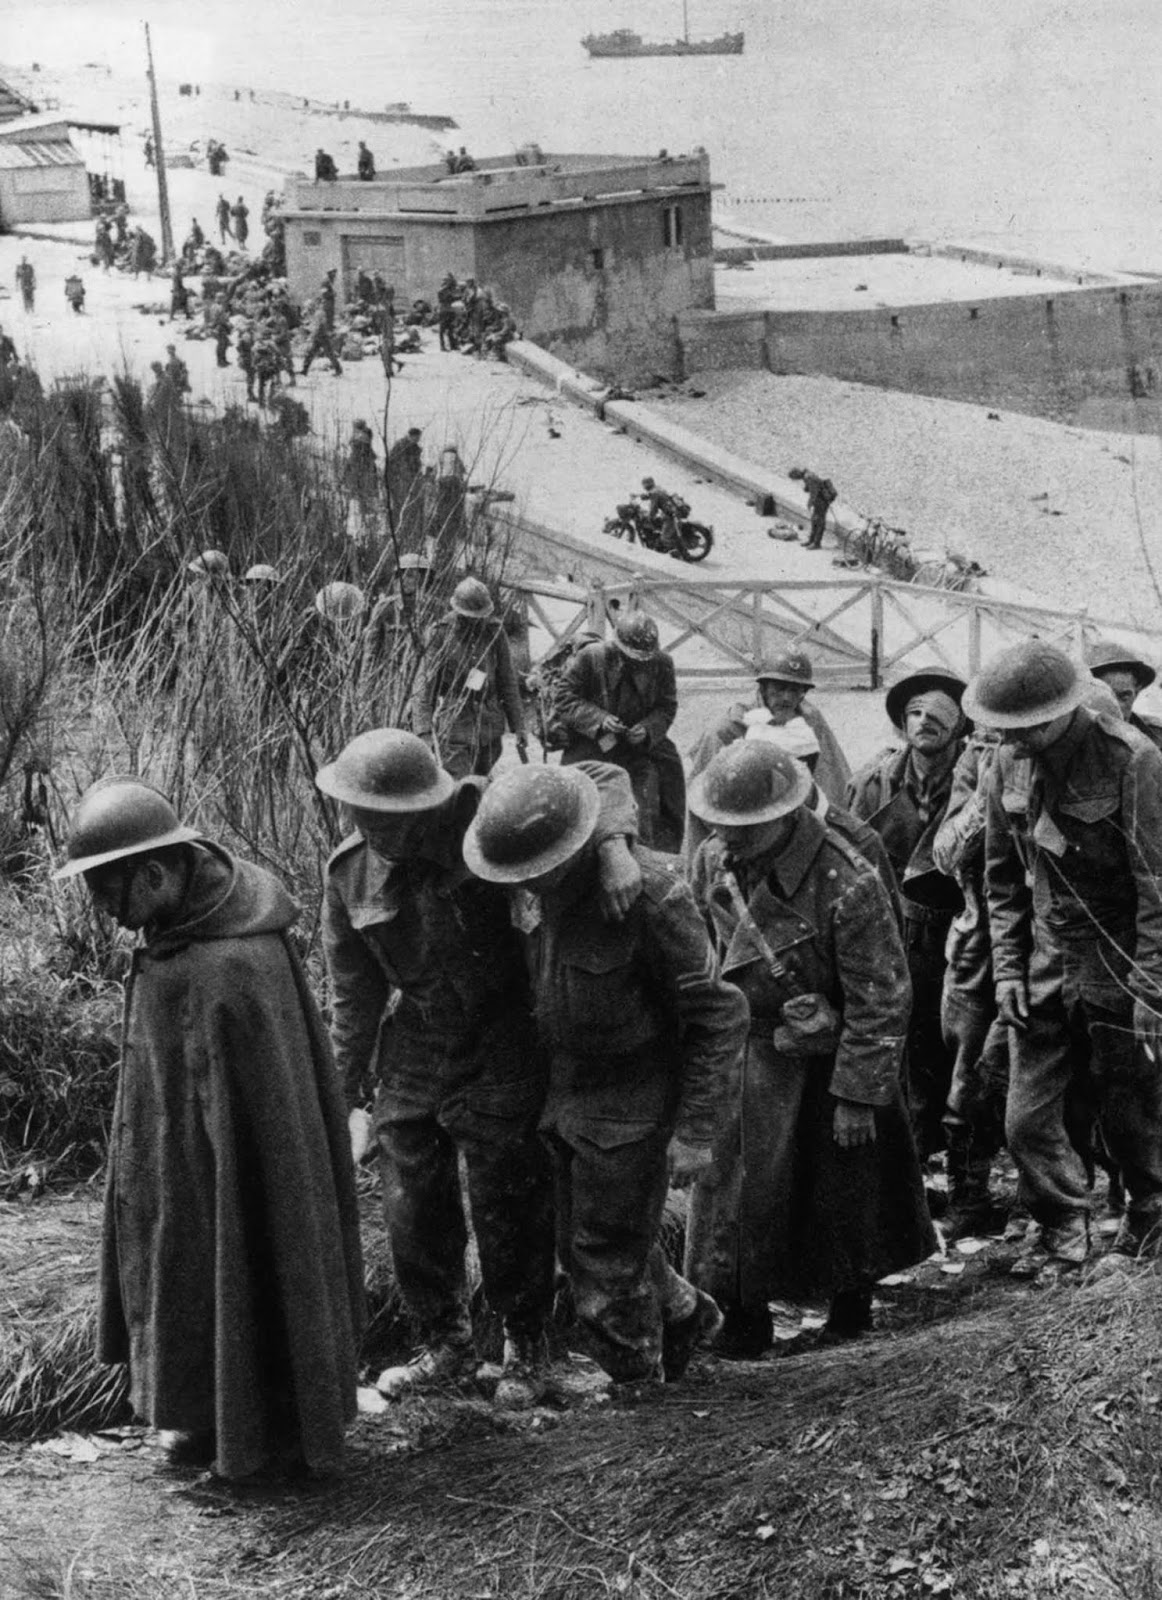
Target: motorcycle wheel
{"points": [[697, 541]]}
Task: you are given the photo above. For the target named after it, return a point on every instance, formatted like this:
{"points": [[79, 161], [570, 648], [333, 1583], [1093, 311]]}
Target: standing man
{"points": [[1126, 675], [466, 688], [446, 296], [903, 794], [231, 1279], [403, 473], [815, 1188], [1074, 880], [782, 685], [26, 281], [220, 323], [321, 341], [176, 371], [225, 231], [641, 1034], [616, 702], [431, 1012], [365, 166], [240, 214], [821, 495]]}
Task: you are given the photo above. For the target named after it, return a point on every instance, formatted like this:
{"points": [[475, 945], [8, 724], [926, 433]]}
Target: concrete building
{"points": [[43, 175], [596, 255]]}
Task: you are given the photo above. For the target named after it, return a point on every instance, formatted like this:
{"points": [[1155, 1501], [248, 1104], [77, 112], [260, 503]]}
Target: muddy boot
{"points": [[187, 1447], [437, 1366], [850, 1314], [680, 1339], [747, 1332], [524, 1374]]}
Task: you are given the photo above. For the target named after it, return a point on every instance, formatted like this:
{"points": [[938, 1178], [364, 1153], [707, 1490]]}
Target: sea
{"points": [[1026, 124]]}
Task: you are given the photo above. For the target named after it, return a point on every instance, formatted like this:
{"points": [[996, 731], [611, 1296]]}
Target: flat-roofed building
{"points": [[595, 255]]}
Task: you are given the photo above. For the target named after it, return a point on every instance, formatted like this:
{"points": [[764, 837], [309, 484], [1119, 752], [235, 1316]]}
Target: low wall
{"points": [[732, 254], [1046, 354]]}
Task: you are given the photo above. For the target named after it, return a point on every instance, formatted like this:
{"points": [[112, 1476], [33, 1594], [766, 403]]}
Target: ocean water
{"points": [[1033, 123]]}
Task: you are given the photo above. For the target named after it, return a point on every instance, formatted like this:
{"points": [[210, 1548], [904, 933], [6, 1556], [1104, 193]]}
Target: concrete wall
{"points": [[430, 249], [1048, 354], [614, 320], [44, 194]]}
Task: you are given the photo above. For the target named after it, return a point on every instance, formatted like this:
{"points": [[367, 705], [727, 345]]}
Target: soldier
{"points": [[402, 472], [240, 213], [244, 352], [1073, 872], [321, 342], [267, 362], [103, 244], [225, 231], [446, 296], [641, 1034], [220, 323], [782, 685], [617, 701], [903, 794], [176, 371], [974, 1115], [365, 165], [231, 1279], [1126, 675], [431, 1008], [821, 496], [815, 1187], [466, 689], [26, 281]]}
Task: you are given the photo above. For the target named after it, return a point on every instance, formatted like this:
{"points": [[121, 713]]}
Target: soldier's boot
{"points": [[1139, 1234], [444, 1365], [699, 1328], [849, 1315], [747, 1332], [970, 1212], [1062, 1244], [524, 1377], [188, 1447]]}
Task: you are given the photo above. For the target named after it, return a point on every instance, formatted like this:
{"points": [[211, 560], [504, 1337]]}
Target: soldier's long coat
{"points": [[785, 1213], [231, 1277]]}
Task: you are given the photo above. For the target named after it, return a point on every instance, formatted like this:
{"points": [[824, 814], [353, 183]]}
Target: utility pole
{"points": [[159, 162]]}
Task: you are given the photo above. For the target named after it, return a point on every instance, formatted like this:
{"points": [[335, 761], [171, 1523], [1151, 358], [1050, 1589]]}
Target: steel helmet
{"points": [[1104, 655], [790, 666], [897, 697], [210, 561], [1026, 684], [1101, 699], [386, 770], [120, 817], [260, 573], [531, 820], [470, 598], [636, 636], [747, 783], [339, 601]]}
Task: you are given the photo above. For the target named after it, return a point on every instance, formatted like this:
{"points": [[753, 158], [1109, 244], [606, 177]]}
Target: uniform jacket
{"points": [[832, 771], [1074, 850], [825, 914], [958, 850], [601, 681], [885, 794], [641, 1030], [784, 1212], [231, 1278], [424, 963], [452, 655]]}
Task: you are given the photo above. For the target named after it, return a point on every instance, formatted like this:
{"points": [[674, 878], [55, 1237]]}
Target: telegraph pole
{"points": [[159, 161]]}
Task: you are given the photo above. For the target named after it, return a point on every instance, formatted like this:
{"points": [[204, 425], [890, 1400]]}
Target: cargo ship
{"points": [[624, 42]]}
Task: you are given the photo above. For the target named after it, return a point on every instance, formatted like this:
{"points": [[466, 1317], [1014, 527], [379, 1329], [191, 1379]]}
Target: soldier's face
{"points": [[782, 700], [394, 835], [927, 732], [1039, 736], [1124, 686], [747, 844]]}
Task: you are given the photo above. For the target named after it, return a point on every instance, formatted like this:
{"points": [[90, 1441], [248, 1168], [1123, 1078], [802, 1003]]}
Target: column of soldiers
{"points": [[552, 1003]]}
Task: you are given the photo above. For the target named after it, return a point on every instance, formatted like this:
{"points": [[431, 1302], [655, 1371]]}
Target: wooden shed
{"points": [[42, 183]]}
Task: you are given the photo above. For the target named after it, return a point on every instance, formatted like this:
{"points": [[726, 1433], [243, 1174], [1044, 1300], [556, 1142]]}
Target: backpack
{"points": [[828, 493], [545, 682]]}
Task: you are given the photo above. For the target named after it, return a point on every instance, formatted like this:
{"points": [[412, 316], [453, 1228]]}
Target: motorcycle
{"points": [[634, 524]]}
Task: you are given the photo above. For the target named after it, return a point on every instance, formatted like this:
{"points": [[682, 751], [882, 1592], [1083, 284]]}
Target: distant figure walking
{"points": [[26, 279], [75, 293], [821, 494], [225, 231], [240, 212]]}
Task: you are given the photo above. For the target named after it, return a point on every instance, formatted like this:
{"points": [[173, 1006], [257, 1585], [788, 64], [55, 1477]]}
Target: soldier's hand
{"points": [[687, 1162], [1013, 1003], [637, 734], [1148, 1029], [619, 878], [612, 724], [359, 1127], [853, 1124]]}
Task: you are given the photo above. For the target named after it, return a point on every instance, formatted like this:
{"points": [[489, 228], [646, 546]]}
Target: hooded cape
{"points": [[231, 1278]]}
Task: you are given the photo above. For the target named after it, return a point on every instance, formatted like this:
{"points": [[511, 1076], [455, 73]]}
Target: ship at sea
{"points": [[624, 42]]}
